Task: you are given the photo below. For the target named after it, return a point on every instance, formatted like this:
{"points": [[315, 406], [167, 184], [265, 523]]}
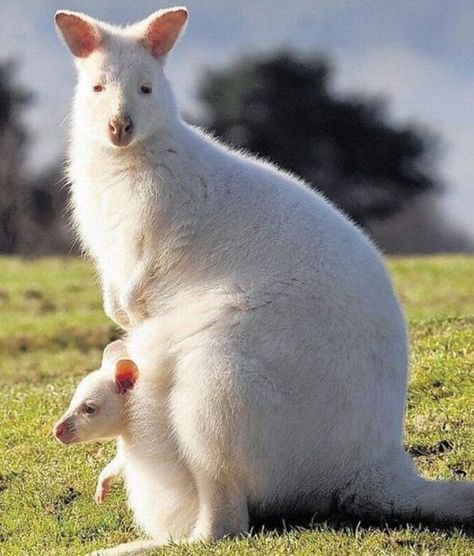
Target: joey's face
{"points": [[122, 96], [95, 411]]}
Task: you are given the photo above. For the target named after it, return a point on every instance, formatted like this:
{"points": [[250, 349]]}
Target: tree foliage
{"points": [[13, 139], [283, 108]]}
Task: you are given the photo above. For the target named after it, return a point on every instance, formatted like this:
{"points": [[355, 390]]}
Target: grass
{"points": [[52, 331]]}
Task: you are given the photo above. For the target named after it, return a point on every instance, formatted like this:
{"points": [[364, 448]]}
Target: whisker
{"points": [[65, 119]]}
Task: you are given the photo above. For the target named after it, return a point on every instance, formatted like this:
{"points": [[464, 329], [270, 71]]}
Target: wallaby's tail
{"points": [[398, 493]]}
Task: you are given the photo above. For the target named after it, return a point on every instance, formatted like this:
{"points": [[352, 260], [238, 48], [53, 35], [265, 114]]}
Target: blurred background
{"points": [[370, 101]]}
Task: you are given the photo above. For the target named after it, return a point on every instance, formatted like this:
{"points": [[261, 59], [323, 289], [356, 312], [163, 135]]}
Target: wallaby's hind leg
{"points": [[222, 510], [207, 421]]}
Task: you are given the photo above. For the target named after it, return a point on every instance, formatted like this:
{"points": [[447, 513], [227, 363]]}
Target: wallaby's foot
{"points": [[127, 549], [221, 520], [208, 531]]}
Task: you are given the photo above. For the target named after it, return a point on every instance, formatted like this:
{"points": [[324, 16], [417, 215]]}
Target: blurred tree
{"points": [[47, 230], [283, 108], [13, 139]]}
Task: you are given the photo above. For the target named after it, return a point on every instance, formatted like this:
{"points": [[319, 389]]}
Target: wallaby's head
{"points": [[97, 409], [122, 96]]}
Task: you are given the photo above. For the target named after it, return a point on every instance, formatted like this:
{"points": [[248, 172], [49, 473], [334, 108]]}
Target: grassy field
{"points": [[52, 330]]}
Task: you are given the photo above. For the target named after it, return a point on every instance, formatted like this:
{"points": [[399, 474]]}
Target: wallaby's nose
{"points": [[121, 130]]}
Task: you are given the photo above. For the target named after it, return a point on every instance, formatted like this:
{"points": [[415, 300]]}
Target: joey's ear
{"points": [[114, 351], [126, 374], [80, 32], [162, 30]]}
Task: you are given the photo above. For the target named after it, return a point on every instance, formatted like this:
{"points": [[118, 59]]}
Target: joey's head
{"points": [[122, 95], [97, 408]]}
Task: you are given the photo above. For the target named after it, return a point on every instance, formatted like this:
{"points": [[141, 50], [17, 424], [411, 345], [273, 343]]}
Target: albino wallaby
{"points": [[112, 403], [286, 352]]}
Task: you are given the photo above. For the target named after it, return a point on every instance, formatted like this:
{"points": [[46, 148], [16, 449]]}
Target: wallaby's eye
{"points": [[89, 409], [145, 89], [98, 88]]}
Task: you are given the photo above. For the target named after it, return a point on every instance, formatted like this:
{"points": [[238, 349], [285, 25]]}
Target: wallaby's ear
{"points": [[80, 32], [113, 352], [126, 374], [163, 29]]}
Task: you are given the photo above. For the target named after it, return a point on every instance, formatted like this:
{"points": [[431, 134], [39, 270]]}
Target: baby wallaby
{"points": [[112, 403], [98, 410]]}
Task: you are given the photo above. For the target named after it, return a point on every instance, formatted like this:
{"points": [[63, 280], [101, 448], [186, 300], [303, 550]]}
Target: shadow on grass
{"points": [[337, 523]]}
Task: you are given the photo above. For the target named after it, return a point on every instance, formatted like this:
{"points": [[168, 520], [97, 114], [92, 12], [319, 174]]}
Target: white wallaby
{"points": [[285, 356], [112, 403]]}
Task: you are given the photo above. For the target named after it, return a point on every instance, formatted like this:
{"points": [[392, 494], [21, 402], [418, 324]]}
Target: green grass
{"points": [[52, 331]]}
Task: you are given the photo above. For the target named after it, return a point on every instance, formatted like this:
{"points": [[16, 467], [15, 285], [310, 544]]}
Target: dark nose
{"points": [[120, 130]]}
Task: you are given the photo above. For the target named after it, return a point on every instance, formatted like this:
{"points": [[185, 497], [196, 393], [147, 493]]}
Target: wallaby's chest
{"points": [[112, 218]]}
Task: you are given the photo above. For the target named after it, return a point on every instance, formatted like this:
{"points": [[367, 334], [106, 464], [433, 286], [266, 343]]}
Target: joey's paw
{"points": [[103, 490]]}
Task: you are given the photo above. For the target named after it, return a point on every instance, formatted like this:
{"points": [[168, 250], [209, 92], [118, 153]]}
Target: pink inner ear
{"points": [[163, 32], [80, 35], [124, 384], [126, 374]]}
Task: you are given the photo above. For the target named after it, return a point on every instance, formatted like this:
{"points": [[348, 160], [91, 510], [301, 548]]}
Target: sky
{"points": [[418, 54]]}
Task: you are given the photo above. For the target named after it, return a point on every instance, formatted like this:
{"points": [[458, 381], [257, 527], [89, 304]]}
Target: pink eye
{"points": [[98, 88], [145, 89]]}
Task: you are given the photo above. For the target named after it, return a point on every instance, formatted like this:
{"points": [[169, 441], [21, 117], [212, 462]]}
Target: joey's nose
{"points": [[62, 432], [121, 131], [58, 430]]}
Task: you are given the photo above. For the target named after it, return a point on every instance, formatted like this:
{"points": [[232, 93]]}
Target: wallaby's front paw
{"points": [[112, 307], [118, 315], [135, 309]]}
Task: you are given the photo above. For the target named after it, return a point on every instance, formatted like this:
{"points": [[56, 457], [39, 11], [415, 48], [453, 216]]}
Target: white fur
{"points": [[161, 490], [276, 329]]}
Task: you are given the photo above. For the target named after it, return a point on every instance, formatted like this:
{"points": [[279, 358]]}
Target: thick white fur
{"points": [[276, 330], [161, 490]]}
